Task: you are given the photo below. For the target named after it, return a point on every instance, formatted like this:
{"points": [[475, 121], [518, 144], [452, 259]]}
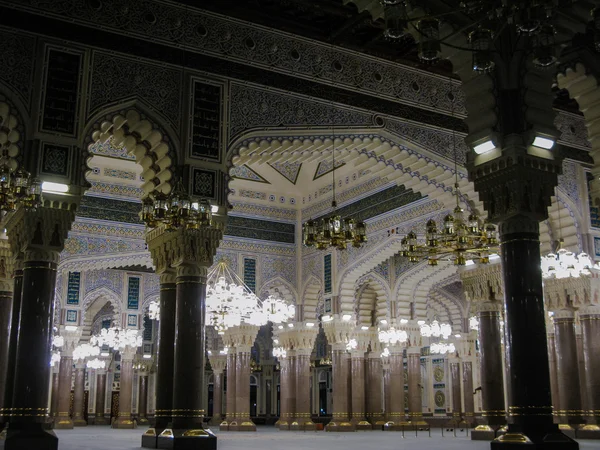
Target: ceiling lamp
{"points": [[279, 352], [396, 18], [435, 329], [277, 310], [334, 231], [96, 364], [83, 351], [55, 358], [117, 338], [154, 310], [473, 323], [566, 264], [441, 348], [392, 336], [481, 43], [229, 302], [176, 210]]}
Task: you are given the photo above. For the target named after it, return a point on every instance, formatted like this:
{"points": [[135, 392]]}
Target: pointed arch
{"points": [[312, 294], [282, 288], [92, 298], [372, 300]]}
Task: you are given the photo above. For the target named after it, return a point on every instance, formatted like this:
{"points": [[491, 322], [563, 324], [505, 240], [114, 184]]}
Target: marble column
{"points": [[78, 395], [100, 397], [143, 398], [567, 367], [357, 389], [490, 356], [589, 317], [374, 390], [415, 401], [54, 394], [231, 396], [469, 399], [456, 392], [124, 420], [65, 376], [165, 360], [287, 390], [12, 345], [553, 372], [387, 391], [217, 417], [6, 302], [302, 416], [581, 368], [29, 412], [395, 413], [339, 374], [242, 390], [530, 405]]}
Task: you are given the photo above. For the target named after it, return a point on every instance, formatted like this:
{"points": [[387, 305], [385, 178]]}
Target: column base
{"points": [[142, 421], [567, 430], [124, 423], [79, 422], [283, 425], [416, 420], [302, 424], [149, 438], [377, 423], [397, 425], [340, 426], [63, 423], [224, 426], [590, 431], [516, 440], [242, 424], [361, 424], [197, 439], [215, 421], [483, 433], [30, 437]]}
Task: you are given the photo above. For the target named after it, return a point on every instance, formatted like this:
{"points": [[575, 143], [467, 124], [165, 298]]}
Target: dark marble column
{"points": [[302, 393], [54, 395], [230, 398], [125, 421], [491, 372], [590, 330], [65, 375], [530, 405], [567, 367], [188, 386], [29, 411], [415, 407], [143, 399], [164, 361], [217, 397], [456, 391], [469, 400], [12, 346], [553, 372], [78, 396], [6, 301], [100, 397], [374, 390], [387, 390], [339, 372]]}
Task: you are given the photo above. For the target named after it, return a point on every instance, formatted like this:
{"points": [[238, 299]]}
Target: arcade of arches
{"points": [[120, 101]]}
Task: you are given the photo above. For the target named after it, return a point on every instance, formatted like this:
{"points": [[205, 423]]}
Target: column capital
{"points": [[6, 266], [339, 331], [489, 307], [218, 362], [589, 310], [482, 282], [240, 337], [71, 336], [299, 337], [168, 277], [563, 314], [39, 234], [128, 353]]}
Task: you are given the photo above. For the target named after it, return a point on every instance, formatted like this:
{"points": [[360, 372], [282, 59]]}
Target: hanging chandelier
{"points": [[566, 264], [392, 336], [279, 352], [176, 211], [55, 358], [96, 364], [117, 338], [442, 348], [154, 310], [534, 24], [334, 231], [84, 351], [277, 310], [435, 329], [459, 240]]}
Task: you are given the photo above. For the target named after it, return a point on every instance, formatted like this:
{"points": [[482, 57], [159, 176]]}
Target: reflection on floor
{"points": [[267, 438]]}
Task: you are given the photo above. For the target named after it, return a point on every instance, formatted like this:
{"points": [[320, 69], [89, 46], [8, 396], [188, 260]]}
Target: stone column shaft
{"points": [[231, 383], [242, 390], [54, 395], [78, 397], [143, 399], [456, 392], [100, 396], [339, 372], [415, 400], [217, 397], [374, 390], [553, 373], [395, 413], [590, 330], [125, 393], [567, 367], [65, 375], [469, 400], [302, 393], [387, 392], [286, 392], [6, 302], [357, 377]]}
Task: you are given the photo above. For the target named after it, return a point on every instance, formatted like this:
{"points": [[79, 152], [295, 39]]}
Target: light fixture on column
{"points": [[461, 239], [177, 210]]}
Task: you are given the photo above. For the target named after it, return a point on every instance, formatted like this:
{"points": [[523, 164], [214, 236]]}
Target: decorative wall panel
{"points": [[73, 288], [206, 131]]}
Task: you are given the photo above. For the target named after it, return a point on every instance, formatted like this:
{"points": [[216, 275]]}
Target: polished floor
{"points": [[103, 438]]}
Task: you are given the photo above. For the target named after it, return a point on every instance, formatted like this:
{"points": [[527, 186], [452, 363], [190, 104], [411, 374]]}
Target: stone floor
{"points": [[266, 438]]}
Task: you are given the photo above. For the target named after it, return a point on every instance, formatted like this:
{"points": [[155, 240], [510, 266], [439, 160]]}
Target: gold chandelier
{"points": [[458, 241], [176, 211], [17, 188], [334, 231]]}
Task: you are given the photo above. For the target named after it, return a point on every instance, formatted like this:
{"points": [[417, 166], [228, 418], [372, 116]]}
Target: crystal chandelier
{"points": [[442, 348], [279, 352], [154, 310], [84, 351], [96, 364], [277, 310], [55, 358], [459, 240], [435, 329], [17, 188], [533, 23], [392, 336], [229, 302], [565, 264], [334, 231], [176, 210], [473, 323], [117, 338]]}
